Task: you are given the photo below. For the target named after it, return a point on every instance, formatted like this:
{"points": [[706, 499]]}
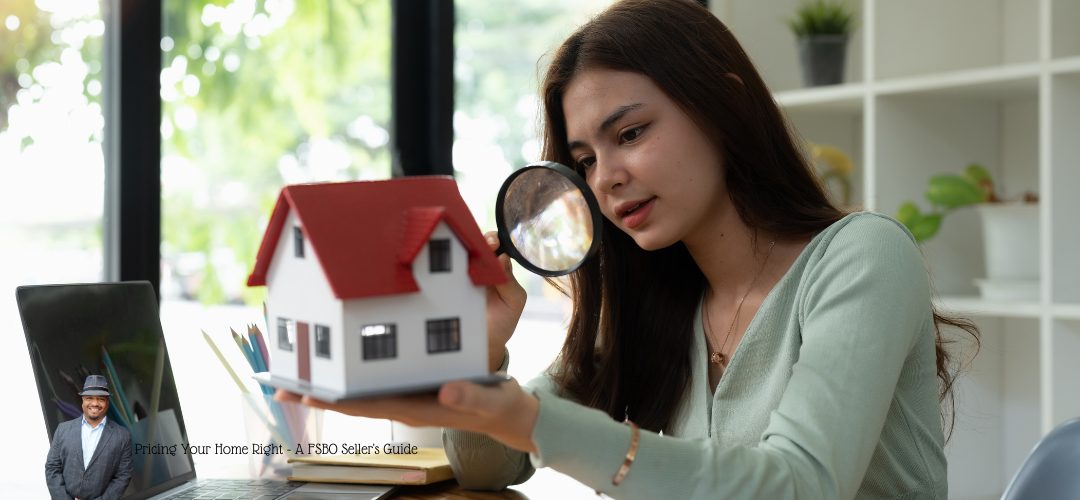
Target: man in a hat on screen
{"points": [[90, 456]]}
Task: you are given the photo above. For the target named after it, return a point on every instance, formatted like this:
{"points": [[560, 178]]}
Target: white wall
{"points": [[298, 290], [441, 295]]}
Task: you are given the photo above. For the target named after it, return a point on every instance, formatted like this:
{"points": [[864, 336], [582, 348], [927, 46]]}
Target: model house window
{"points": [[443, 335], [322, 341], [439, 255], [379, 341], [286, 334], [298, 241]]}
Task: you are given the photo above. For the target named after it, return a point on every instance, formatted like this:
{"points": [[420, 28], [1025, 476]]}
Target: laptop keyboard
{"points": [[236, 489]]}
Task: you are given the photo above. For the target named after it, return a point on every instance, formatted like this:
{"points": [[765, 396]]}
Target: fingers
{"points": [[510, 292], [459, 404], [492, 238]]}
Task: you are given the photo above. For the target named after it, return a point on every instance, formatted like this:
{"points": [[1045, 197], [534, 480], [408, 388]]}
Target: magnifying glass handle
{"points": [[501, 250]]}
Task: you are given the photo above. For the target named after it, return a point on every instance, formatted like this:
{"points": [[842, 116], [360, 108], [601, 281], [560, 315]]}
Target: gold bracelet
{"points": [[635, 438]]}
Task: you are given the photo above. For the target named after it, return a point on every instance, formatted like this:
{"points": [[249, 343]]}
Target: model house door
{"points": [[303, 352]]}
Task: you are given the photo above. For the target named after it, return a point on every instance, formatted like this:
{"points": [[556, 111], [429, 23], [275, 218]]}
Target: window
{"points": [[379, 341], [498, 55], [439, 255], [322, 341], [286, 333], [236, 127], [298, 242], [443, 335], [53, 75]]}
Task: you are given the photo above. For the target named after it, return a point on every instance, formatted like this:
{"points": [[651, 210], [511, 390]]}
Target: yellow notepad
{"points": [[427, 465]]}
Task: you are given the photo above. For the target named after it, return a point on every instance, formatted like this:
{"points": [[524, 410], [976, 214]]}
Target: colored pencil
{"points": [[260, 363], [244, 348], [262, 346], [224, 363]]}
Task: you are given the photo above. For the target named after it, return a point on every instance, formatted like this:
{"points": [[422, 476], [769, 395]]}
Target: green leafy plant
{"points": [[822, 17], [948, 192]]}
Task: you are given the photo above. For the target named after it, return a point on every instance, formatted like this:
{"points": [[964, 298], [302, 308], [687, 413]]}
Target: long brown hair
{"points": [[627, 350]]}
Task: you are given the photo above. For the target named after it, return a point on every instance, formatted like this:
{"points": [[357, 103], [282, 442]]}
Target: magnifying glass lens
{"points": [[547, 219]]}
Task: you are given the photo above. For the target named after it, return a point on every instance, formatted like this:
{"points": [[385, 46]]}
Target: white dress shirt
{"points": [[90, 437]]}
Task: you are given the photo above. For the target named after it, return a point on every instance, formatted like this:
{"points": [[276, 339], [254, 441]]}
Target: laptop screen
{"points": [[110, 329]]}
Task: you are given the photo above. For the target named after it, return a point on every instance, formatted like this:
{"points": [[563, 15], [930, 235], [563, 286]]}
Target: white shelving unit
{"points": [[931, 86]]}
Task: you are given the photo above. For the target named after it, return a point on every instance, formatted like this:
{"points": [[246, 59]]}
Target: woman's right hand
{"points": [[505, 302]]}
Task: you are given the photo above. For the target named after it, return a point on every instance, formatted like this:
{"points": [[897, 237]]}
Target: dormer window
{"points": [[298, 242], [439, 255]]}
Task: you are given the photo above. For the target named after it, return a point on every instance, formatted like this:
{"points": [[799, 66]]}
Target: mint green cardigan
{"points": [[832, 394]]}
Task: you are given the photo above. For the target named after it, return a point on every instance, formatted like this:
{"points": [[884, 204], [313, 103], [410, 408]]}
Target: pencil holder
{"points": [[275, 430]]}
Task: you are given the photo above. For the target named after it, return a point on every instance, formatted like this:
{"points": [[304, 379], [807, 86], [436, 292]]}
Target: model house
{"points": [[375, 286]]}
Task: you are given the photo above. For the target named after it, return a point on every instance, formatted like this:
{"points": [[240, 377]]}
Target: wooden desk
{"points": [[450, 490], [546, 483]]}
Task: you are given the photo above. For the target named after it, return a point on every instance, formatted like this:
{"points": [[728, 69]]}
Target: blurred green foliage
{"points": [[270, 86], [946, 192], [822, 17]]}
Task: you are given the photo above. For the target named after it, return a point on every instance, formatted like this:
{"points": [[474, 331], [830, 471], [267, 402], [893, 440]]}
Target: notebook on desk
{"points": [[114, 329]]}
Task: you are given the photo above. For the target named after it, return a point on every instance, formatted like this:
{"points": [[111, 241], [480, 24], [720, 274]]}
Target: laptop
{"points": [[114, 329]]}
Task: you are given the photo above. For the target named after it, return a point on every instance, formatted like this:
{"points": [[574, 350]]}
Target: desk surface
{"points": [[450, 490], [546, 483]]}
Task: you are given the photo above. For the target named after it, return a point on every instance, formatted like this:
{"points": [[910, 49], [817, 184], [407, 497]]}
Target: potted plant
{"points": [[821, 29], [1010, 230]]}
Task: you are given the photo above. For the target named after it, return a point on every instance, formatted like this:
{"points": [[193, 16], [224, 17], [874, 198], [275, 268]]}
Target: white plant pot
{"points": [[1011, 244]]}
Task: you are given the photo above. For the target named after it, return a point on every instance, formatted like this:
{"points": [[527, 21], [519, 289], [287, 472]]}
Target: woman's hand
{"points": [[505, 302], [503, 411]]}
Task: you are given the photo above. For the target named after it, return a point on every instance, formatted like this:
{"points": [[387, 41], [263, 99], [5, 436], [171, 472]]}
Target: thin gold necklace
{"points": [[718, 357]]}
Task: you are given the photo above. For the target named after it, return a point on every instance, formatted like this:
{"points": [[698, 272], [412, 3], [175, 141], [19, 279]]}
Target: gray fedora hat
{"points": [[95, 385]]}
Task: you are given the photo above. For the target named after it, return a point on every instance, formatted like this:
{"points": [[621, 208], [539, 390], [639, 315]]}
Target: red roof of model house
{"points": [[367, 233]]}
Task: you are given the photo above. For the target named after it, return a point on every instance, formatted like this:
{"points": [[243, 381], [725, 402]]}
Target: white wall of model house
{"points": [[297, 289], [442, 295]]}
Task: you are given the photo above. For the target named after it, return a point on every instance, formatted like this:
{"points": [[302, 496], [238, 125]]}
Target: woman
{"points": [[757, 341]]}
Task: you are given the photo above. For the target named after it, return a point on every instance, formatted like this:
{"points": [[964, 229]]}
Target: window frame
{"points": [[131, 105]]}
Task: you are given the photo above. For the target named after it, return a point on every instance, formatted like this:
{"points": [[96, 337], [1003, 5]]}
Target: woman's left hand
{"points": [[503, 411]]}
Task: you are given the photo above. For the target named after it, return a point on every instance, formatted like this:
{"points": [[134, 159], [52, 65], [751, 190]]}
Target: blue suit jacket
{"points": [[109, 470]]}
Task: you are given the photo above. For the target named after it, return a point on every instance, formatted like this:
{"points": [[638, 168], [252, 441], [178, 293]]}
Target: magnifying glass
{"points": [[548, 219]]}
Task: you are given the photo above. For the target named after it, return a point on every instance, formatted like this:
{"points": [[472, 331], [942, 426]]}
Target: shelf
{"points": [[976, 306], [762, 32], [1015, 81], [1066, 311], [931, 87], [844, 99], [1069, 66]]}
